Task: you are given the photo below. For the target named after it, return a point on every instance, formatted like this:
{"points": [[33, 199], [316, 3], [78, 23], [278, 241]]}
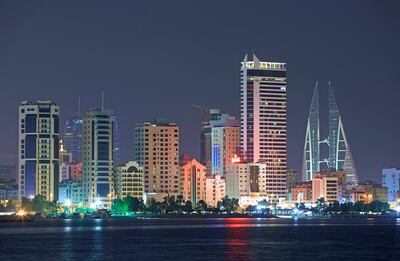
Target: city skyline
{"points": [[44, 74]]}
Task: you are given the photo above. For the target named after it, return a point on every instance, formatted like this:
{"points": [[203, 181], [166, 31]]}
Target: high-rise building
{"points": [[38, 165], [225, 143], [116, 148], [263, 117], [72, 139], [157, 150], [311, 146], [205, 136], [97, 159], [391, 180], [129, 180], [340, 156], [193, 181]]}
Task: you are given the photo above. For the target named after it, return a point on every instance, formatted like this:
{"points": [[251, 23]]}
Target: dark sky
{"points": [[155, 59]]}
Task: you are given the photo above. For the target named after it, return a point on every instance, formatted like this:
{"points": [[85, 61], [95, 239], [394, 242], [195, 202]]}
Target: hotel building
{"points": [[263, 118], [193, 181]]}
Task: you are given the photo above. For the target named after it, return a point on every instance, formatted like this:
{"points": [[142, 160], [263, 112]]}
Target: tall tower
{"points": [[157, 150], [340, 156], [311, 145], [263, 114], [97, 160], [225, 142], [38, 164], [73, 137]]}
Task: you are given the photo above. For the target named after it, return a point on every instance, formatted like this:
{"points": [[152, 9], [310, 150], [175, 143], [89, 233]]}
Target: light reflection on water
{"points": [[195, 239]]}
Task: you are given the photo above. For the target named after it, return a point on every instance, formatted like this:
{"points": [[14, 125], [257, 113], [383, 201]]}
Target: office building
{"points": [[391, 180], [215, 189], [340, 156], [97, 159], [130, 180], [72, 139], [225, 143], [157, 150], [38, 165], [193, 181]]}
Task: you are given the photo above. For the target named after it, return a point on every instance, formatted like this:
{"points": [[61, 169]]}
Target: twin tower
{"points": [[340, 157]]}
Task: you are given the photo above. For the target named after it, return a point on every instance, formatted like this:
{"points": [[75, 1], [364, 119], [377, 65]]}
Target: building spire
{"points": [[102, 101]]}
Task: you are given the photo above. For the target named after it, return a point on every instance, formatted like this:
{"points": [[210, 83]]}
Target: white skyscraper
{"points": [[97, 159], [263, 117]]}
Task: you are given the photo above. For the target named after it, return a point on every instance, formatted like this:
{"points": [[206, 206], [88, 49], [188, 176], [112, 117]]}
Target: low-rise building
{"points": [[130, 180], [193, 181], [8, 190], [70, 191], [302, 193], [253, 180], [368, 192], [215, 189]]}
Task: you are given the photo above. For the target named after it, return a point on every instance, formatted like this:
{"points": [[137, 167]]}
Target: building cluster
{"points": [[244, 159]]}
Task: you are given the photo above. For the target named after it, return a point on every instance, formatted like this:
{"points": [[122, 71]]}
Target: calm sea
{"points": [[201, 239]]}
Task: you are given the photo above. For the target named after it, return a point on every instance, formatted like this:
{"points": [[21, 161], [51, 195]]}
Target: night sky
{"points": [[155, 59]]}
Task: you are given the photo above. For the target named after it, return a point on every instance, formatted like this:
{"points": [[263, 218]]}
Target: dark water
{"points": [[201, 239]]}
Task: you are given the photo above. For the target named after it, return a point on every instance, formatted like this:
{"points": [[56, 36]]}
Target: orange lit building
{"points": [[215, 189], [302, 193], [193, 181], [157, 150]]}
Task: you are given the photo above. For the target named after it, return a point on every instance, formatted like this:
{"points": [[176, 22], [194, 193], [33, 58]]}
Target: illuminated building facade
{"points": [[215, 189], [225, 143], [157, 150], [263, 118], [254, 180], [391, 180], [340, 156], [38, 164], [193, 181], [97, 159], [130, 180], [73, 137], [330, 185], [302, 193]]}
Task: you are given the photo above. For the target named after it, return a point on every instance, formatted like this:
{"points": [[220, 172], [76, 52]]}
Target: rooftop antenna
{"points": [[102, 101]]}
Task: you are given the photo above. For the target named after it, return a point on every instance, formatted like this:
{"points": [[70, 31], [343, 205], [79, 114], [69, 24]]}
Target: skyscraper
{"points": [[263, 115], [340, 156], [157, 150], [116, 148], [311, 146], [38, 165], [97, 159], [73, 137]]}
